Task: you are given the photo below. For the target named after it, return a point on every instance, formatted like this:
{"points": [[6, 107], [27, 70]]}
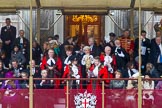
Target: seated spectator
{"points": [[44, 84], [10, 84], [159, 85], [2, 72], [117, 84], [24, 45], [148, 86], [1, 46], [4, 59], [131, 94], [36, 71], [24, 84], [133, 84], [150, 69], [17, 55], [16, 68], [118, 90], [130, 70]]}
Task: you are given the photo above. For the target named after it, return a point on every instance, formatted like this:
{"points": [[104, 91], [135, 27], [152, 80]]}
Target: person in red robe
{"points": [[108, 59], [73, 70], [54, 65], [127, 42], [98, 71], [51, 57]]}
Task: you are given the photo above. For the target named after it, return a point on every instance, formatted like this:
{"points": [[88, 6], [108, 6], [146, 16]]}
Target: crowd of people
{"points": [[117, 58]]}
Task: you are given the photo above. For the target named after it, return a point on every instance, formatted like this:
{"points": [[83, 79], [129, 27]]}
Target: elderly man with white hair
{"points": [[121, 56]]}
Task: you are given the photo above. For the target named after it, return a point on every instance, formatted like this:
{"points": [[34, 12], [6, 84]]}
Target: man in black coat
{"points": [[8, 36], [95, 50], [145, 49], [156, 54], [122, 57]]}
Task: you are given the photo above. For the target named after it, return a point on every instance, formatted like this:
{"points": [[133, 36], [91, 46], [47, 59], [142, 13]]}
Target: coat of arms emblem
{"points": [[85, 100]]}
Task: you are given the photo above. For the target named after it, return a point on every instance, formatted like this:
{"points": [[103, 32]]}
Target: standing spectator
{"points": [[8, 36], [46, 47], [112, 40], [98, 71], [56, 37], [51, 58], [153, 41], [75, 44], [156, 51], [121, 55], [145, 49], [24, 45], [68, 50], [95, 50], [108, 59], [37, 52], [68, 41], [127, 43], [50, 38], [158, 26], [86, 62], [73, 70]]}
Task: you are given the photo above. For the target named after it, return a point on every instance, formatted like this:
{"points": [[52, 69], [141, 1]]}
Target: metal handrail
{"points": [[101, 79]]}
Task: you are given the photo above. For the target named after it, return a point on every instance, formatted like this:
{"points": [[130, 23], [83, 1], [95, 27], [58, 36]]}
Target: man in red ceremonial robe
{"points": [[98, 71], [108, 59], [51, 57], [72, 70], [53, 64]]}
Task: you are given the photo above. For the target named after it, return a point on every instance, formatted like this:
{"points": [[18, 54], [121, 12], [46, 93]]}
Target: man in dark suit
{"points": [[145, 49], [24, 45], [16, 68], [36, 71], [95, 50], [8, 35], [156, 54]]}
